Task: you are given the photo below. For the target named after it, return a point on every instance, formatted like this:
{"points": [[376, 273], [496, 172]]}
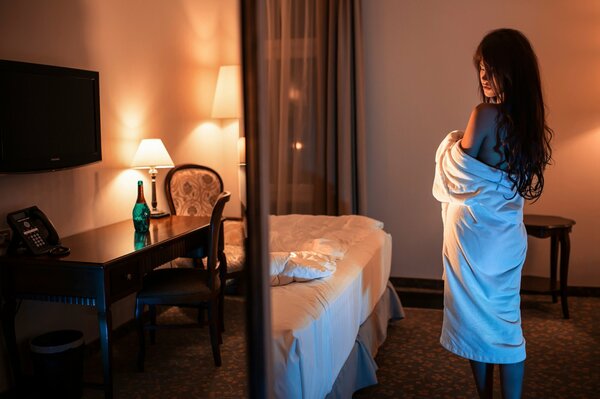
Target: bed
{"points": [[326, 331]]}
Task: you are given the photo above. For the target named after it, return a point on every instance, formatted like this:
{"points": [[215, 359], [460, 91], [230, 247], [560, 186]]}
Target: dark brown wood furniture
{"points": [[105, 265], [192, 190], [558, 230], [191, 287]]}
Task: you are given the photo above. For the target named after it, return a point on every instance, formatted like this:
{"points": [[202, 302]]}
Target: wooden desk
{"points": [[105, 265], [558, 229]]}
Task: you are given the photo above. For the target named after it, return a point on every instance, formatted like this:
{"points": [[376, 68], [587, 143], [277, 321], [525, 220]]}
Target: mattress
{"points": [[315, 323]]}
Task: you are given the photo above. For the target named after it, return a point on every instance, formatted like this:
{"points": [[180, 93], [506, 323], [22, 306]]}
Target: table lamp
{"points": [[152, 154]]}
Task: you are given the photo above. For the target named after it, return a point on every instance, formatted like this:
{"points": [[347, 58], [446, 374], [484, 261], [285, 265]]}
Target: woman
{"points": [[482, 179]]}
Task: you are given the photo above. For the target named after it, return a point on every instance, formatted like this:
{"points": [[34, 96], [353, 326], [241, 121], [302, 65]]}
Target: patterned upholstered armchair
{"points": [[192, 190]]}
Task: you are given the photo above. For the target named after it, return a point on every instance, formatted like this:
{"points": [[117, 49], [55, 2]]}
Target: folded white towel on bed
{"points": [[287, 267]]}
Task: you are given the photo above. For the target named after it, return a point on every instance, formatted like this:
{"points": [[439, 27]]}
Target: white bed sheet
{"points": [[314, 324]]}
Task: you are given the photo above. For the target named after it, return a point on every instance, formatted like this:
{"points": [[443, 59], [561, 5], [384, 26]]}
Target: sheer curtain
{"points": [[315, 106]]}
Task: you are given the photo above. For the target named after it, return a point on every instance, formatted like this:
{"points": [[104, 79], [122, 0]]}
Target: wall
{"points": [[420, 84], [158, 63]]}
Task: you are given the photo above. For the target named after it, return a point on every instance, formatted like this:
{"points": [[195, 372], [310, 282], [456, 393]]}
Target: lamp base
{"points": [[158, 214]]}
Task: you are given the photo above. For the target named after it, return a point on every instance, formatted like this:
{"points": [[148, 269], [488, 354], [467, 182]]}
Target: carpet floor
{"points": [[563, 358]]}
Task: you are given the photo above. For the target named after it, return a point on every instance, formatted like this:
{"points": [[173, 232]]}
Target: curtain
{"points": [[315, 95]]}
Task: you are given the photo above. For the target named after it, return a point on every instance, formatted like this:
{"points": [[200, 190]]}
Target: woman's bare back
{"points": [[480, 139]]}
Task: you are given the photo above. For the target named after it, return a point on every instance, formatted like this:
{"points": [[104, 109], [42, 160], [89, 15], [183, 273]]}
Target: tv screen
{"points": [[49, 117]]}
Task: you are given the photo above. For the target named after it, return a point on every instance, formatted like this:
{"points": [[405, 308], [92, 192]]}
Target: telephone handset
{"points": [[32, 227]]}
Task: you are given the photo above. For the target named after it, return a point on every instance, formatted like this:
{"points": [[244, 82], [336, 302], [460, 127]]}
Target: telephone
{"points": [[32, 227]]}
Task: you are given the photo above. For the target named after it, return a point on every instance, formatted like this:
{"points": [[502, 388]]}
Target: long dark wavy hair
{"points": [[522, 135]]}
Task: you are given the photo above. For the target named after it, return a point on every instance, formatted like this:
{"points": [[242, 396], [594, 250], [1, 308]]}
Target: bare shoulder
{"points": [[486, 113], [481, 124]]}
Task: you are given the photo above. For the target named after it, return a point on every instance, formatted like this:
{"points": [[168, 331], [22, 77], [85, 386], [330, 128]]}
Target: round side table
{"points": [[557, 229]]}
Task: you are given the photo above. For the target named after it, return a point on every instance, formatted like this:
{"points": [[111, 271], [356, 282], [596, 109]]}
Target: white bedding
{"points": [[315, 247], [315, 323]]}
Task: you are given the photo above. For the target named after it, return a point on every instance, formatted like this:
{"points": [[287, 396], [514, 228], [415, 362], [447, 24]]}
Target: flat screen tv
{"points": [[49, 117]]}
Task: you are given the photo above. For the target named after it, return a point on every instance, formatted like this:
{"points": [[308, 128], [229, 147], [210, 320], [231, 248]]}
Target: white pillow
{"points": [[287, 267]]}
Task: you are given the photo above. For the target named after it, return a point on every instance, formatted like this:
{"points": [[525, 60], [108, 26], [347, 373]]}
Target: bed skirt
{"points": [[359, 370]]}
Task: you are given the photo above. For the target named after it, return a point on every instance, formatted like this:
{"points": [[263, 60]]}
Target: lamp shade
{"points": [[227, 100], [150, 154]]}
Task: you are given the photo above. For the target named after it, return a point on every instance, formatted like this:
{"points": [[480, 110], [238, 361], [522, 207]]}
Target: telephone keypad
{"points": [[37, 239]]}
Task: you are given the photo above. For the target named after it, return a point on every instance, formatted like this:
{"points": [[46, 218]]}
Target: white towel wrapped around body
{"points": [[484, 249]]}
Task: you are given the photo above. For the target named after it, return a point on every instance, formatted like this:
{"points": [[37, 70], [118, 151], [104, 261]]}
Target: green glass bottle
{"points": [[141, 212]]}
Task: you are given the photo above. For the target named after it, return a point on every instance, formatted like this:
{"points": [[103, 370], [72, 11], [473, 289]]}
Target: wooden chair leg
{"points": [[221, 315], [223, 281], [152, 323], [139, 317], [214, 332]]}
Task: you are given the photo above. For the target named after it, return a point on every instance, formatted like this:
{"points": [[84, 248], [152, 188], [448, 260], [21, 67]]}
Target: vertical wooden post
{"points": [[258, 305]]}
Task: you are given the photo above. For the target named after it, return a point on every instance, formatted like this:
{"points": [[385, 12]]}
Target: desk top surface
{"points": [[109, 243]]}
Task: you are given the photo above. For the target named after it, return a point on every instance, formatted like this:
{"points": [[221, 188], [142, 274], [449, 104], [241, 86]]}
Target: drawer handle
{"points": [[129, 276]]}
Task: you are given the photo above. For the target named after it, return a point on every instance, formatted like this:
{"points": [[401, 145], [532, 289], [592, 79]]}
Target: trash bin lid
{"points": [[56, 341]]}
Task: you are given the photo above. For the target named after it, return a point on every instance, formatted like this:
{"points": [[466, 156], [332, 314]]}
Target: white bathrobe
{"points": [[485, 243]]}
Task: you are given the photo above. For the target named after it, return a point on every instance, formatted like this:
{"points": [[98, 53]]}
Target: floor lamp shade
{"points": [[227, 101]]}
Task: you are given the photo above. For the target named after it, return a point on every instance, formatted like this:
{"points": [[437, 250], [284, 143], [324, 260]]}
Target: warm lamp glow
{"points": [[150, 154], [227, 104], [227, 101]]}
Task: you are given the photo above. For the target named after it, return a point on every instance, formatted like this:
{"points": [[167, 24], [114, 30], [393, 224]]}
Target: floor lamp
{"points": [[227, 104]]}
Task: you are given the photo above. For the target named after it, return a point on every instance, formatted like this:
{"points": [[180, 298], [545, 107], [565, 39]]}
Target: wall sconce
{"points": [[152, 154]]}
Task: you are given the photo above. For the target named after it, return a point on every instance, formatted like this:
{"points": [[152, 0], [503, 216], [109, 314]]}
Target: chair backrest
{"points": [[192, 190], [215, 234]]}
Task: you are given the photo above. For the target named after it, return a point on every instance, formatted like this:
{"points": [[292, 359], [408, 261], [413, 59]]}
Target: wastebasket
{"points": [[57, 359]]}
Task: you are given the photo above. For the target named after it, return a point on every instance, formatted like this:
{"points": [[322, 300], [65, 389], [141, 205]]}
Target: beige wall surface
{"points": [[158, 63], [421, 84]]}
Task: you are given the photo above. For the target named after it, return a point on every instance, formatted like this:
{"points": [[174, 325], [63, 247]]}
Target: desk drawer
{"points": [[125, 280]]}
